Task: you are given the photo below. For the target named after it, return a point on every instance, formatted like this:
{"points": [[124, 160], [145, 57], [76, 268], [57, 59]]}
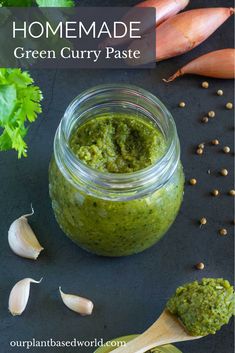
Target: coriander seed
{"points": [[215, 142], [203, 221], [200, 266], [229, 105], [201, 145], [224, 172], [205, 120], [205, 84], [223, 232], [232, 192], [215, 192], [199, 151], [182, 104], [220, 92], [211, 114], [193, 181], [226, 149]]}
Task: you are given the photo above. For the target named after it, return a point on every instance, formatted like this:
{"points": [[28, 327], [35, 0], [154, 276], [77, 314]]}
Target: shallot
{"points": [[181, 33], [164, 10], [217, 64]]}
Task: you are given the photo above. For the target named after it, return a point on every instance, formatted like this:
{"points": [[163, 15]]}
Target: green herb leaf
{"points": [[7, 101], [55, 3], [19, 104], [41, 3], [16, 3]]}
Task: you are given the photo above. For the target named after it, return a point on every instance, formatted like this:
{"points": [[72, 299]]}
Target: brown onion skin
{"points": [[182, 33], [216, 64]]}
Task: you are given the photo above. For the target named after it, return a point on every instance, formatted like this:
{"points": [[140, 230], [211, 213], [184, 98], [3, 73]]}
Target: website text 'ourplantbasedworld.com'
{"points": [[74, 343]]}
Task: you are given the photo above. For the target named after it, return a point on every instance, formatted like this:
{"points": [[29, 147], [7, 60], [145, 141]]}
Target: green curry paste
{"points": [[118, 143], [203, 307]]}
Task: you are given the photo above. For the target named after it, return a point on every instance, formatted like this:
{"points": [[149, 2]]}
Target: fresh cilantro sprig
{"points": [[19, 104], [19, 98], [16, 3], [41, 3], [55, 3]]}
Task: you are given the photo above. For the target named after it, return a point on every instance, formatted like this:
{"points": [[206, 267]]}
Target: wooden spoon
{"points": [[167, 329]]}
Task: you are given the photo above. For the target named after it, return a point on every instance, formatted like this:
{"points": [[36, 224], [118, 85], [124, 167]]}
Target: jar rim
{"points": [[117, 186]]}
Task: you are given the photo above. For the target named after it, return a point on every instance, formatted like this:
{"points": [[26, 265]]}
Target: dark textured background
{"points": [[129, 293]]}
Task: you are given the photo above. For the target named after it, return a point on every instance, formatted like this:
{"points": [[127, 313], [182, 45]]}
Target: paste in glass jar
{"points": [[116, 144]]}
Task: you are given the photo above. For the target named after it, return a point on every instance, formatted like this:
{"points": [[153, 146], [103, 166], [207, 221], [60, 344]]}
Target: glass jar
{"points": [[114, 214]]}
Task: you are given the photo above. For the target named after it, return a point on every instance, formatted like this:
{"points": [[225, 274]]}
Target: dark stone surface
{"points": [[129, 293]]}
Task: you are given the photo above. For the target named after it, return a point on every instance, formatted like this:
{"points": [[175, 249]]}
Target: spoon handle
{"points": [[156, 335], [140, 344], [167, 329]]}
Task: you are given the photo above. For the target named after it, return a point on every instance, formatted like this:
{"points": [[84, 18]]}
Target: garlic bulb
{"points": [[22, 239], [19, 296], [78, 304]]}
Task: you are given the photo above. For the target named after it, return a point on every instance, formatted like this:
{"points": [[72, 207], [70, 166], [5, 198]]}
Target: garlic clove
{"points": [[22, 239], [19, 296], [78, 304]]}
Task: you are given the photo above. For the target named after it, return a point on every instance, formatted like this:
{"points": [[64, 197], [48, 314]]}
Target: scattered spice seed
{"points": [[199, 151], [223, 232], [224, 172], [200, 266], [193, 181], [205, 84], [232, 192], [215, 142], [229, 105], [209, 171], [201, 145], [211, 114], [226, 149], [215, 192], [205, 120], [182, 104], [203, 221], [220, 92]]}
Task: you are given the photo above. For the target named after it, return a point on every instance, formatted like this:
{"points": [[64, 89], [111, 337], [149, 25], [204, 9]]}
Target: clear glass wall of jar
{"points": [[113, 214]]}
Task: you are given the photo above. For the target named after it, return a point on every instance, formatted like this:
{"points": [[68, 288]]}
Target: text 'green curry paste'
{"points": [[203, 307]]}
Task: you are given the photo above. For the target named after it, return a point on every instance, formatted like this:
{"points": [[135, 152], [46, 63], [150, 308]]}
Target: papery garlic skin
{"points": [[19, 296], [78, 304], [22, 239]]}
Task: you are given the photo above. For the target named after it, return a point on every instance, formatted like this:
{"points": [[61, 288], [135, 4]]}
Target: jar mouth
{"points": [[117, 185]]}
